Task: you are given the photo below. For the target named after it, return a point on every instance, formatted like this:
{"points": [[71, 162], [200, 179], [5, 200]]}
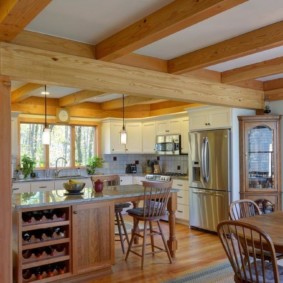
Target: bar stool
{"points": [[114, 180]]}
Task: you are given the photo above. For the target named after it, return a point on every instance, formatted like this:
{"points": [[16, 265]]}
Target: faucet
{"points": [[56, 168]]}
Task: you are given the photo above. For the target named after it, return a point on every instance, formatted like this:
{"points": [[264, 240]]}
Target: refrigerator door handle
{"points": [[205, 159]]}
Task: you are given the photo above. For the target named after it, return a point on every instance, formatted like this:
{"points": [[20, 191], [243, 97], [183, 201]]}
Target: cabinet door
{"points": [[162, 127], [116, 146], [134, 138], [220, 118], [185, 135], [41, 186], [148, 137], [19, 188], [93, 236], [126, 180]]}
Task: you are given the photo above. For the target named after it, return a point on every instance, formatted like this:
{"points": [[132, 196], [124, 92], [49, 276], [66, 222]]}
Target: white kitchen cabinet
{"points": [[148, 137], [137, 180], [111, 129], [41, 186], [126, 180], [184, 134], [168, 126], [182, 212], [18, 188], [209, 118]]}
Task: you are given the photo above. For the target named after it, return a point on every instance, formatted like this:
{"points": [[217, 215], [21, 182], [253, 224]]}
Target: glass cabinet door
{"points": [[260, 158]]}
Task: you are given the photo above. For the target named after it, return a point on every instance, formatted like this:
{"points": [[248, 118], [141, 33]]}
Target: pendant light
{"points": [[46, 131], [123, 133]]}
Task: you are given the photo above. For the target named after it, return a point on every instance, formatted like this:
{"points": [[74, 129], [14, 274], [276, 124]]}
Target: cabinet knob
{"points": [[75, 212]]}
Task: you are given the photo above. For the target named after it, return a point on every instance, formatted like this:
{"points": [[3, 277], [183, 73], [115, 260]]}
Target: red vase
{"points": [[98, 186]]}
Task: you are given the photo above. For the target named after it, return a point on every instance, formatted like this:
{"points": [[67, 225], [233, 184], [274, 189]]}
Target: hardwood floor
{"points": [[196, 250]]}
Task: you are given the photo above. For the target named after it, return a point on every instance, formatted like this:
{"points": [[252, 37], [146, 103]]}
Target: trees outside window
{"points": [[75, 143]]}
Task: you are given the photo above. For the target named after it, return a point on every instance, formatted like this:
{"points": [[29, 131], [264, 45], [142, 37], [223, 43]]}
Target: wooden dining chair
{"points": [[156, 195], [247, 208], [114, 180], [243, 208], [242, 242]]}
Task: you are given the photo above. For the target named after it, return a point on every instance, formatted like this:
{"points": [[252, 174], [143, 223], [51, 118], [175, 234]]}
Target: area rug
{"points": [[221, 273]]}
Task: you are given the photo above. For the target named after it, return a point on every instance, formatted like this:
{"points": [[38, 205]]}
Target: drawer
{"points": [[183, 197], [180, 184], [41, 186], [182, 212], [19, 188]]}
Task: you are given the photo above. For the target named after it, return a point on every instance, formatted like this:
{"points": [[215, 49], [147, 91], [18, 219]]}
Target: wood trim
{"points": [[16, 14], [166, 21], [72, 71], [24, 92], [5, 177], [253, 71], [245, 44]]}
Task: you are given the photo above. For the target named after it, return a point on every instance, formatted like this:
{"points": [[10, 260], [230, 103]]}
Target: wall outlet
{"points": [[114, 158], [178, 167]]}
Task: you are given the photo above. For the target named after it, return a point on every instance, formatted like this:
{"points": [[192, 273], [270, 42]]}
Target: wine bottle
{"points": [[38, 252], [59, 248], [60, 231], [48, 213], [38, 234], [59, 212], [60, 267], [37, 215], [26, 236], [49, 232], [26, 216], [49, 250], [38, 272], [26, 253], [27, 273], [50, 270]]}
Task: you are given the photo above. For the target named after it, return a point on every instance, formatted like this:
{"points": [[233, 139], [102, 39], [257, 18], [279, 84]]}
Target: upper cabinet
{"points": [[184, 134], [260, 160], [170, 126], [210, 118], [111, 144], [148, 137]]}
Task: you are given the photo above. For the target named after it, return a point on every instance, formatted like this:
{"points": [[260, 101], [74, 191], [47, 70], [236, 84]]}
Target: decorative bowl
{"points": [[74, 188]]}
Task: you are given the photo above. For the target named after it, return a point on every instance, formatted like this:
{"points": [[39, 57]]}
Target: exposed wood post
{"points": [[5, 177]]}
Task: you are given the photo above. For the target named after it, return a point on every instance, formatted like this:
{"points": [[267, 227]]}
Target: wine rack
{"points": [[42, 249]]}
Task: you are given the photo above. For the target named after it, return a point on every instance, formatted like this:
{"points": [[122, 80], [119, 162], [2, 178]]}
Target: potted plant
{"points": [[28, 165], [93, 163]]}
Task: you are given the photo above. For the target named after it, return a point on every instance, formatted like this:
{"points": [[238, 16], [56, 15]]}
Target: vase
{"points": [[98, 186]]}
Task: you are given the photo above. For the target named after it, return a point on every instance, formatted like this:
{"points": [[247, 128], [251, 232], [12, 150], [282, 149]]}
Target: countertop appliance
{"points": [[210, 185], [131, 168], [168, 144]]}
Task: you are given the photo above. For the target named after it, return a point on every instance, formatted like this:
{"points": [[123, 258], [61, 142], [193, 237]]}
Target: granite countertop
{"points": [[59, 197]]}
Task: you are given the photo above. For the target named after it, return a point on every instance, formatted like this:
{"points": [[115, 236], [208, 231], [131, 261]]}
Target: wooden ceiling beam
{"points": [[39, 66], [242, 45], [129, 101], [24, 92], [174, 17], [273, 89], [78, 97], [16, 14], [253, 71]]}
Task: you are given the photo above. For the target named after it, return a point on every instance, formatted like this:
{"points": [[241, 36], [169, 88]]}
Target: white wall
{"points": [[277, 108]]}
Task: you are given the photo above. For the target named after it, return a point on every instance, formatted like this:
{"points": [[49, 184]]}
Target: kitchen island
{"points": [[59, 236]]}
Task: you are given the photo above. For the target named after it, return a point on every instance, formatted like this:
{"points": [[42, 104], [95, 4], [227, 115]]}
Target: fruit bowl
{"points": [[74, 188]]}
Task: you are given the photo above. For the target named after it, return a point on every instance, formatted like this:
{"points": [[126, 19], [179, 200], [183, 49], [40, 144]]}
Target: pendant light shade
{"points": [[46, 131], [123, 133]]}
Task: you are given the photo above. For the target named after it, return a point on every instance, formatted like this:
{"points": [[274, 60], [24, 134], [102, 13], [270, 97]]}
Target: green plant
{"points": [[93, 163], [27, 165]]}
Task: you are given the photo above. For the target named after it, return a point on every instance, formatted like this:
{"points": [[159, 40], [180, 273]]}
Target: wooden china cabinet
{"points": [[260, 173]]}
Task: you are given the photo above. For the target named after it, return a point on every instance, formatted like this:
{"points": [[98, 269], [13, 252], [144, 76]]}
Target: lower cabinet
{"points": [[51, 244], [93, 236], [182, 212]]}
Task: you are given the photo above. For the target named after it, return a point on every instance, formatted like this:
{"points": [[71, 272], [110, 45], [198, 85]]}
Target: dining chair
{"points": [[247, 208], [114, 180], [156, 195], [243, 208], [242, 243]]}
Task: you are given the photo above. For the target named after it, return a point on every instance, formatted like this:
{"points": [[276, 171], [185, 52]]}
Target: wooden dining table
{"points": [[272, 224]]}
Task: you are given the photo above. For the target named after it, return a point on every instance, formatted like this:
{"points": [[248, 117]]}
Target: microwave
{"points": [[168, 144]]}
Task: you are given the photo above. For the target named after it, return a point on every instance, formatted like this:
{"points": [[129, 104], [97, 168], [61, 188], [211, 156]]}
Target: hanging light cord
{"points": [[45, 107], [123, 112]]}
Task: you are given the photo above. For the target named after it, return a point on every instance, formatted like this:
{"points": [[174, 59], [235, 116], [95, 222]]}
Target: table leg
{"points": [[172, 241]]}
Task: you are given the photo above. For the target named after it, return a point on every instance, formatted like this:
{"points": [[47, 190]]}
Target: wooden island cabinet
{"points": [[260, 168]]}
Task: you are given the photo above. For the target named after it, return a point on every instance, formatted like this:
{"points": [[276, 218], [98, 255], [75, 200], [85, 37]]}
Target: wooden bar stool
{"points": [[156, 195]]}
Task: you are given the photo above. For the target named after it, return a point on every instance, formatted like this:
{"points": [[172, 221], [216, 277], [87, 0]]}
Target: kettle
{"points": [[98, 186]]}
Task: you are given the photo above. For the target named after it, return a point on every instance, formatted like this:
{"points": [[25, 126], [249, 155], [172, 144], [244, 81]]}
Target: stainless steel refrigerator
{"points": [[209, 177]]}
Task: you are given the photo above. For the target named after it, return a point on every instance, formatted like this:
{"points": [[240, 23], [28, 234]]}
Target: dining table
{"points": [[272, 224]]}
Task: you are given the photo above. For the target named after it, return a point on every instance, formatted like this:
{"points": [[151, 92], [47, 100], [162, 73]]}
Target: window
{"points": [[84, 146], [75, 143]]}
